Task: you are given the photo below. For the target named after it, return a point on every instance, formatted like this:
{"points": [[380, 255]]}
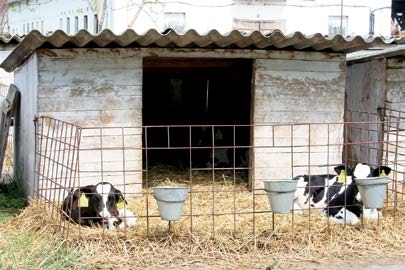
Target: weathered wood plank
{"points": [[98, 118], [395, 75], [86, 62], [112, 166], [130, 145], [280, 160], [298, 117], [190, 52], [111, 141], [310, 78], [9, 108], [300, 65], [396, 62], [297, 104], [90, 91], [94, 103], [93, 78], [396, 92], [398, 106]]}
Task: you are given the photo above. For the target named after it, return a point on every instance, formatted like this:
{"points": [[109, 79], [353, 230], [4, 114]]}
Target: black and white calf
{"points": [[337, 195], [98, 204]]}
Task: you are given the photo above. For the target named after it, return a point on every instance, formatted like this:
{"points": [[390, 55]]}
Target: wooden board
{"points": [[365, 92], [94, 92], [63, 54], [296, 91], [8, 111]]}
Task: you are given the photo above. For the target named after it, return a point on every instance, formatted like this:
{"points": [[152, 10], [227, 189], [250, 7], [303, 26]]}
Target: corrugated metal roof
{"points": [[191, 39], [7, 39]]}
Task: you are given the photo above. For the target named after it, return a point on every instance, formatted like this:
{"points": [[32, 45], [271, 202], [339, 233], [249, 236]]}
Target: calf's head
{"points": [[101, 200], [363, 171]]}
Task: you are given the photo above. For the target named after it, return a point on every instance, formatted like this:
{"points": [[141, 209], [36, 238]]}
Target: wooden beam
{"points": [[8, 111]]}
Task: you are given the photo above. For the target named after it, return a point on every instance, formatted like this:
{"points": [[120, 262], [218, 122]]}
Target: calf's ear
{"points": [[342, 169], [121, 202], [381, 171], [338, 169], [119, 196], [87, 190], [84, 193]]}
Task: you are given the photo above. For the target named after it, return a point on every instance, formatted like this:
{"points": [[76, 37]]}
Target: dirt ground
{"points": [[363, 264]]}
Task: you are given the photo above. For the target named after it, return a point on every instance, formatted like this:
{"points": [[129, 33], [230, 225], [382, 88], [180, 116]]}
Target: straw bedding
{"points": [[234, 242]]}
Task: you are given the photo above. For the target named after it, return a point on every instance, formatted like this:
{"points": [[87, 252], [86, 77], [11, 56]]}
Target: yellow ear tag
{"points": [[383, 173], [121, 204], [218, 135], [342, 176], [83, 201]]}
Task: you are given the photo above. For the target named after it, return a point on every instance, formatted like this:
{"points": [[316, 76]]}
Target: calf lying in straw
{"points": [[337, 195], [98, 204]]}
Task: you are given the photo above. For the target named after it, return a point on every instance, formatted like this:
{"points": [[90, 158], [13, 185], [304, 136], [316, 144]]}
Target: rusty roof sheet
{"points": [[274, 40]]}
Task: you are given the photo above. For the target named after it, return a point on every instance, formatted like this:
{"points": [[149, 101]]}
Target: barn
{"points": [[137, 98]]}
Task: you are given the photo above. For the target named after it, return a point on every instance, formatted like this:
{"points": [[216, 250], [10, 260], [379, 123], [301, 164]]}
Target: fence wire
{"points": [[219, 164]]}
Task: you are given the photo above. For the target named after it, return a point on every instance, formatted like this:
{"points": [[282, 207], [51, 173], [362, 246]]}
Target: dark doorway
{"points": [[202, 93]]}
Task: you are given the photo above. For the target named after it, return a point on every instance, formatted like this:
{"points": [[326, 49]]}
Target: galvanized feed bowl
{"points": [[372, 191], [170, 200], [280, 194]]}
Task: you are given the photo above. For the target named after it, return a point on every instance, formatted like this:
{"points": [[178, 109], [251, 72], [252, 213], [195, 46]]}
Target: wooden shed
{"points": [[376, 82], [255, 79]]}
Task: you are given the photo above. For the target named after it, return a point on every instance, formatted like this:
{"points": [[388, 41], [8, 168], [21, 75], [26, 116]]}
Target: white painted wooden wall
{"points": [[26, 80], [102, 91], [306, 90]]}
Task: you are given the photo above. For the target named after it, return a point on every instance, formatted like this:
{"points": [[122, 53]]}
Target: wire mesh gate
{"points": [[56, 164], [225, 197]]}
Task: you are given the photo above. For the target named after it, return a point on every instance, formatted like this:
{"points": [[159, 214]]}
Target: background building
{"points": [[328, 17]]}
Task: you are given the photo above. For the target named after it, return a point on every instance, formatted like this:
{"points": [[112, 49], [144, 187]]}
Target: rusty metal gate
{"points": [[223, 198]]}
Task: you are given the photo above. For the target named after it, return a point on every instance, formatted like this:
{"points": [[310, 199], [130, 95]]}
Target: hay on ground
{"points": [[226, 241]]}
